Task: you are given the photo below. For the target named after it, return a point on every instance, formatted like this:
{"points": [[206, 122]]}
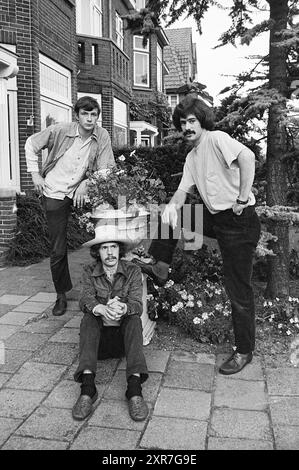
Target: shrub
{"points": [[31, 241]]}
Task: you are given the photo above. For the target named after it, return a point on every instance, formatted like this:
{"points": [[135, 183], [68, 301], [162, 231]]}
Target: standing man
{"points": [[223, 170], [74, 151], [111, 299]]}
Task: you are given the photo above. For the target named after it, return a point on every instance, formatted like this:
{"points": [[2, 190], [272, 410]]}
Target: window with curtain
{"points": [[119, 31]]}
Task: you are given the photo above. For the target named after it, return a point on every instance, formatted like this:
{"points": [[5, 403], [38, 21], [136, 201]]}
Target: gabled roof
{"points": [[178, 55]]}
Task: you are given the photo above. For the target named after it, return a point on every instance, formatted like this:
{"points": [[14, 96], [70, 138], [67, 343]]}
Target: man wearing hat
{"points": [[111, 299]]}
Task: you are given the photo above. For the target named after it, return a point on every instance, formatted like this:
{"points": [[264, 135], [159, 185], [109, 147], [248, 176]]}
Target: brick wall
{"points": [[47, 27], [8, 220]]}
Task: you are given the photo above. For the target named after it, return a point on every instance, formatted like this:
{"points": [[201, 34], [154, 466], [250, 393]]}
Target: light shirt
{"points": [[69, 170], [213, 167]]}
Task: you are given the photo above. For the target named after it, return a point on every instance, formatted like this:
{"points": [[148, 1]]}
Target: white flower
{"points": [[183, 294], [199, 304], [197, 321], [205, 316], [218, 307], [122, 158], [190, 297], [276, 298], [149, 297], [177, 307], [190, 303], [218, 291], [288, 332], [292, 320], [279, 326], [169, 284]]}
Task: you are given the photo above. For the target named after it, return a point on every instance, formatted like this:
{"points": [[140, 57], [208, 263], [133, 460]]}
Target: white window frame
{"points": [[94, 9], [141, 51], [97, 97], [159, 68], [119, 31], [118, 122]]}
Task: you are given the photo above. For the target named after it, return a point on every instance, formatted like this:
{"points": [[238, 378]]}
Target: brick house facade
{"points": [[51, 53]]}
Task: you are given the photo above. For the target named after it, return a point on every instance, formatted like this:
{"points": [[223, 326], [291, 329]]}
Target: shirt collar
{"points": [[99, 270], [74, 131]]}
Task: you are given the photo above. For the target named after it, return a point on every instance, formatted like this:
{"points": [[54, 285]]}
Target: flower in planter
{"points": [[129, 187]]}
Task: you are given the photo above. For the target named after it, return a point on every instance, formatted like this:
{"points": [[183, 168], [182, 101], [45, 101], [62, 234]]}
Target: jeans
{"points": [[57, 214], [128, 338], [237, 236]]}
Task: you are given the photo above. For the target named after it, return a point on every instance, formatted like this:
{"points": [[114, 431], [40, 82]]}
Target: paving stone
{"points": [[35, 376], [44, 297], [285, 410], [189, 375], [32, 307], [7, 427], [283, 381], [16, 318], [252, 371], [156, 360], [25, 289], [216, 443], [74, 322], [50, 423], [192, 404], [4, 309], [19, 403], [13, 360], [118, 386], [73, 305], [172, 433], [13, 299], [241, 394], [200, 358], [66, 335], [26, 341], [57, 353], [4, 378], [94, 438], [66, 394], [115, 414], [240, 424], [7, 330], [29, 443], [286, 437], [43, 326]]}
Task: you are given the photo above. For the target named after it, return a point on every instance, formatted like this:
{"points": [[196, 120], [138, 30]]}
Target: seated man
{"points": [[111, 299]]}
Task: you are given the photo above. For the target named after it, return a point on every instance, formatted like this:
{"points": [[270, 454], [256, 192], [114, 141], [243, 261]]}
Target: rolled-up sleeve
{"points": [[34, 144]]}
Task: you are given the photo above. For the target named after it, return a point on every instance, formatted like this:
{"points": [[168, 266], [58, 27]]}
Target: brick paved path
{"points": [[191, 405]]}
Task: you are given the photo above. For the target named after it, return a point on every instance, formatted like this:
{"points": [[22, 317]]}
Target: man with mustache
{"points": [[75, 149], [111, 299], [223, 170]]}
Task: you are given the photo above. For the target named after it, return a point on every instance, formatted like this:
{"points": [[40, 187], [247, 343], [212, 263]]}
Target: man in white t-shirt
{"points": [[223, 170]]}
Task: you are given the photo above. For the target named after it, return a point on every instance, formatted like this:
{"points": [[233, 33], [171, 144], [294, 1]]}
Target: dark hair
{"points": [[94, 250], [192, 105], [87, 103]]}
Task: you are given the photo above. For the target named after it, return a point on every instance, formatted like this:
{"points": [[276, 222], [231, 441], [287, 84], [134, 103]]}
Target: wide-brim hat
{"points": [[127, 232]]}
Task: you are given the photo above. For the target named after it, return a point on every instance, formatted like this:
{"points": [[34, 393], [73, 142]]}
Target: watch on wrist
{"points": [[242, 203]]}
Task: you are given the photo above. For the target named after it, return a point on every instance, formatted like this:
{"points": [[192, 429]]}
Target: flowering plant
{"points": [[129, 186]]}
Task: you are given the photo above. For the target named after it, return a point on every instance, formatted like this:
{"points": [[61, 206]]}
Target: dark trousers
{"points": [[237, 236], [57, 214], [95, 341]]}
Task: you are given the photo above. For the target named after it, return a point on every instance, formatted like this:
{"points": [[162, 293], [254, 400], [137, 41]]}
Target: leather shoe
{"points": [[138, 408], [83, 406], [235, 363], [59, 307], [149, 270]]}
